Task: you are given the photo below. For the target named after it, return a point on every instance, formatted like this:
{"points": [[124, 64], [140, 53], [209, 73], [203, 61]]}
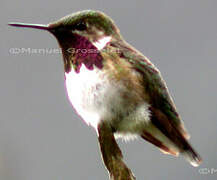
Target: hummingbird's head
{"points": [[82, 30], [92, 25]]}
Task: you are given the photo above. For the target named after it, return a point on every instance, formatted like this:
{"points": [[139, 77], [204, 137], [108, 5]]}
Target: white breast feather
{"points": [[92, 95]]}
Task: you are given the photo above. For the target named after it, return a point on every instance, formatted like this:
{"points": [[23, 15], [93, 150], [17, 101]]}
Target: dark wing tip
{"points": [[191, 156]]}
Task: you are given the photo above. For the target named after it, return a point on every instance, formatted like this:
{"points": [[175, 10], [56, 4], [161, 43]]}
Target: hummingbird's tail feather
{"points": [[171, 131], [155, 141], [192, 157]]}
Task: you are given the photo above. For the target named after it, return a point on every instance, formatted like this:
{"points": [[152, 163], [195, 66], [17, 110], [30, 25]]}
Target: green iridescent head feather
{"points": [[96, 18]]}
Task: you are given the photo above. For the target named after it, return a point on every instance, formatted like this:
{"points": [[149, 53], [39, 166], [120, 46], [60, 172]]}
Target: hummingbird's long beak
{"points": [[26, 25]]}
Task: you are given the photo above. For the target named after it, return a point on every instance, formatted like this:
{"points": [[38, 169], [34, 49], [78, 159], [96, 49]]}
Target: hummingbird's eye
{"points": [[81, 26]]}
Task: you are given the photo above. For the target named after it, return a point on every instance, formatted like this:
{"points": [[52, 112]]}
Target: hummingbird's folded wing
{"points": [[153, 84]]}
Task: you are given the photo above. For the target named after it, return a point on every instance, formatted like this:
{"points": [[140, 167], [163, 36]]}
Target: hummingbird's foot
{"points": [[111, 153]]}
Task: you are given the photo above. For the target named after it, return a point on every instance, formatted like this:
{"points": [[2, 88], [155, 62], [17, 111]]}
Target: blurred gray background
{"points": [[41, 137]]}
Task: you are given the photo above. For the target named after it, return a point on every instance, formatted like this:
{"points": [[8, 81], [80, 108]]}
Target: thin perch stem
{"points": [[111, 153]]}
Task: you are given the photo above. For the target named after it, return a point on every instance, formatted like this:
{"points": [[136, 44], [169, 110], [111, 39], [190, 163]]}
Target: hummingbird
{"points": [[109, 81]]}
